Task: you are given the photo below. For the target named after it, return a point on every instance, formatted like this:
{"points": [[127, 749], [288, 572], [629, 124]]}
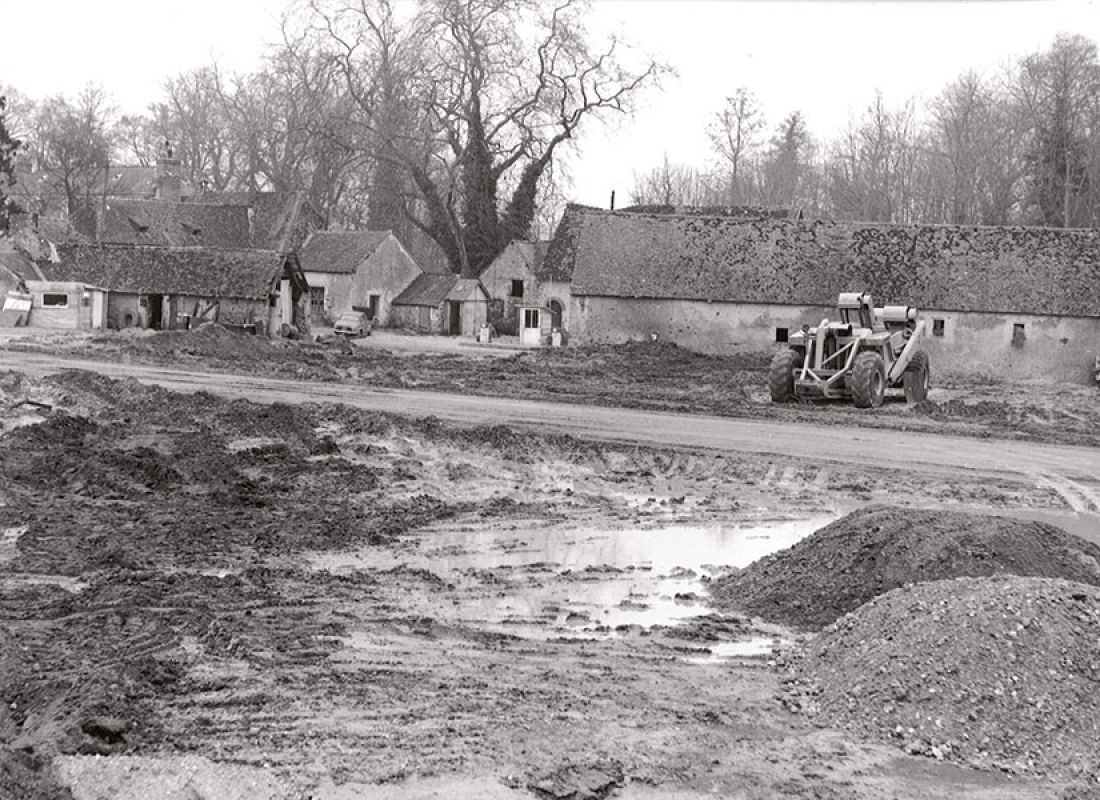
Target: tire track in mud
{"points": [[1078, 497], [833, 444]]}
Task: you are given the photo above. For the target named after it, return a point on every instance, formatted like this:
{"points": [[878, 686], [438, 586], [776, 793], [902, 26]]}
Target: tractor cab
{"points": [[857, 310]]}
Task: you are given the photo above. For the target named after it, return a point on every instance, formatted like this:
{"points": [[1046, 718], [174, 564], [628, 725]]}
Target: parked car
{"points": [[352, 324]]}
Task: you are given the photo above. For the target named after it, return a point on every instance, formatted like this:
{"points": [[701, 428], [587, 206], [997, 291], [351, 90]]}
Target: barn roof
{"points": [[428, 289], [157, 222], [340, 251], [201, 271], [279, 220], [722, 259]]}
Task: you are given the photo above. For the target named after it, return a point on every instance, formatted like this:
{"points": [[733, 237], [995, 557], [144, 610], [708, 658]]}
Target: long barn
{"points": [[1023, 302]]}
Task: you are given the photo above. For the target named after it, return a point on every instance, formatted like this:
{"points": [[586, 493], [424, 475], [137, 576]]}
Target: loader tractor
{"points": [[867, 352]]}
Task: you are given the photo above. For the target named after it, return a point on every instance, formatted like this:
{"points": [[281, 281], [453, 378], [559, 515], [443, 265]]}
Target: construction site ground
{"points": [[391, 584]]}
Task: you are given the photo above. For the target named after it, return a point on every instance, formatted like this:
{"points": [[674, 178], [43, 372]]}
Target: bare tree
{"points": [[733, 132], [193, 116], [672, 185], [73, 141], [489, 90]]}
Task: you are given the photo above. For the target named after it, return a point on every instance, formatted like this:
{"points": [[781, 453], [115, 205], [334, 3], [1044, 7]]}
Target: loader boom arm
{"points": [[911, 347]]}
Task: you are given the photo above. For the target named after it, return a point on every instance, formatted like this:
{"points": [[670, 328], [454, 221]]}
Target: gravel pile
{"points": [[999, 672], [869, 552]]}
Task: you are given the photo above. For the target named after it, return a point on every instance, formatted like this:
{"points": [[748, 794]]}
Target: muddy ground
{"points": [[217, 599], [647, 375]]}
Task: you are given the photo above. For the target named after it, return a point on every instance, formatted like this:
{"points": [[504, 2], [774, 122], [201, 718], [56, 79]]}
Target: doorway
{"points": [[154, 310], [454, 317], [531, 331]]}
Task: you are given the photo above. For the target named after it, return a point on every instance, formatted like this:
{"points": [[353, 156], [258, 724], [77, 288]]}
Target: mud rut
{"points": [[159, 598]]}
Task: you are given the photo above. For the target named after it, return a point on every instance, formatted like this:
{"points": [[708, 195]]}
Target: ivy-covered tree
{"points": [[470, 100], [8, 147]]}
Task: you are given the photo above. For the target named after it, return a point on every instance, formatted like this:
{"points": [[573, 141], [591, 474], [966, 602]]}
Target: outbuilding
{"points": [[442, 304], [67, 305], [356, 270]]}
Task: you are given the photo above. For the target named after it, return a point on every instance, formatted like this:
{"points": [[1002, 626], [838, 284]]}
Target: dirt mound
{"points": [[871, 551], [993, 672]]}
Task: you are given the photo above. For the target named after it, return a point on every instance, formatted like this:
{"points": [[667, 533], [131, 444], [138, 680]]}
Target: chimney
{"points": [[169, 180]]}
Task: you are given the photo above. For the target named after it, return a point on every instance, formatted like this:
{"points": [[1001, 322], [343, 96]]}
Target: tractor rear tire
{"points": [[916, 378], [868, 380], [781, 376]]}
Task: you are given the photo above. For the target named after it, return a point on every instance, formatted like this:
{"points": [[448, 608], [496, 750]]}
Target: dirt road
{"points": [[1070, 470]]}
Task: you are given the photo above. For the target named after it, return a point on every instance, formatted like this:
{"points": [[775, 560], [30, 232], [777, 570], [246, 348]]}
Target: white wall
{"points": [[1054, 348]]}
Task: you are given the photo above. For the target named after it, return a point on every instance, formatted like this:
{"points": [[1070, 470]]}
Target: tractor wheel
{"points": [[868, 380], [781, 376], [915, 379]]}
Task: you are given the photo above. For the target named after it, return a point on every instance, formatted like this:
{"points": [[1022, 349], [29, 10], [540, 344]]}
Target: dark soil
{"points": [[871, 551], [996, 673]]}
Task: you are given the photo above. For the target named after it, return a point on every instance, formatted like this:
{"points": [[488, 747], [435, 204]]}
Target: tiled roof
{"points": [[1022, 270], [19, 264], [532, 253], [202, 271], [427, 290], [558, 263], [340, 251], [463, 287], [157, 222], [280, 220]]}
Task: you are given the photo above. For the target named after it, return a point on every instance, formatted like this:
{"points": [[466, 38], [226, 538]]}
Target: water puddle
{"points": [[579, 583], [756, 647]]}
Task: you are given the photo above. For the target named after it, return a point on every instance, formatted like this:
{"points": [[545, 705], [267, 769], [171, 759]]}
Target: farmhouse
{"points": [[1018, 301], [364, 270], [178, 287]]}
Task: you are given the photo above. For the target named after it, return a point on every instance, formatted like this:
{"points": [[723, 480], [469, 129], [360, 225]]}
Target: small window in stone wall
{"points": [[50, 300], [517, 288], [781, 335], [937, 327], [1018, 334]]}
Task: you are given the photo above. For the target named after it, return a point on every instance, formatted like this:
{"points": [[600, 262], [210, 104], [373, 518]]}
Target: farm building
{"points": [[156, 222], [442, 304], [68, 305], [511, 281], [1023, 302], [363, 270], [177, 287]]}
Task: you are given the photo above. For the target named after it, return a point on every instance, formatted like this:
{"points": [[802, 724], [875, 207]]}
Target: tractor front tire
{"points": [[781, 376], [868, 380], [916, 378]]}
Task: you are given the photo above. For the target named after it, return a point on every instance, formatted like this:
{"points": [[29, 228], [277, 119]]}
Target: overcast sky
{"points": [[823, 57]]}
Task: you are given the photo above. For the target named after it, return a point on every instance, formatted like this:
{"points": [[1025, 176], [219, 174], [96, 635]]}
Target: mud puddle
{"points": [[550, 582]]}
